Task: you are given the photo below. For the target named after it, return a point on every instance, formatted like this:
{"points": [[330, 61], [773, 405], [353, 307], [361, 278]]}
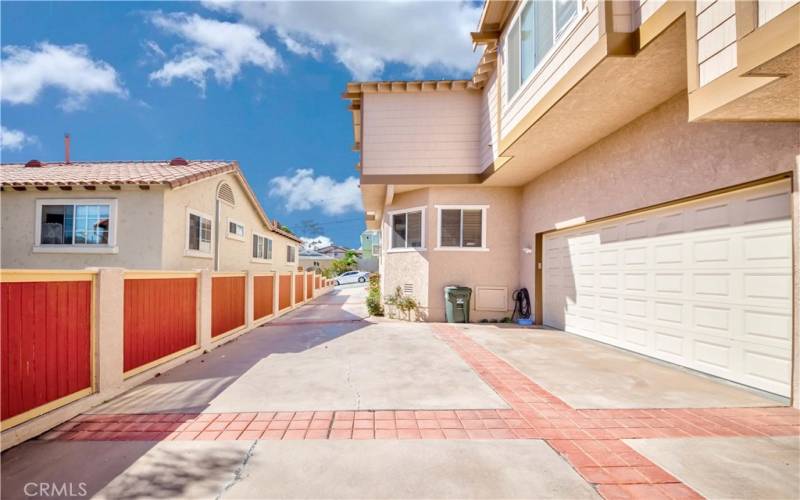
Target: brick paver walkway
{"points": [[589, 440]]}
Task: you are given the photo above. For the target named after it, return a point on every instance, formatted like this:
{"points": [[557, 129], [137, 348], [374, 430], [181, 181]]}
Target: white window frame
{"points": [[388, 237], [484, 211], [232, 236], [271, 252], [559, 36], [111, 247], [296, 251], [188, 252]]}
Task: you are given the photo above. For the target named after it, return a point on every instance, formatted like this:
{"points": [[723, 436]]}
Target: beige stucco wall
{"points": [[139, 216], [655, 159], [234, 255], [429, 271]]}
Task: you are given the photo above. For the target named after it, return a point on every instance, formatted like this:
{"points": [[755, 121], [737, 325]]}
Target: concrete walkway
{"points": [[326, 403]]}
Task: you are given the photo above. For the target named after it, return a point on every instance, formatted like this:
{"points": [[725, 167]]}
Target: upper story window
{"points": [[291, 254], [198, 233], [462, 227], [407, 227], [532, 36], [262, 247], [235, 230], [75, 225]]}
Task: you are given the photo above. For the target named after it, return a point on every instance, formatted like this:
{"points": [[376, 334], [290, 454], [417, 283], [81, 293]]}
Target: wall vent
{"points": [[225, 193], [408, 289]]}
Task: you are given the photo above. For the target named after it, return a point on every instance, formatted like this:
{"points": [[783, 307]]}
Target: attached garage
{"points": [[705, 284]]}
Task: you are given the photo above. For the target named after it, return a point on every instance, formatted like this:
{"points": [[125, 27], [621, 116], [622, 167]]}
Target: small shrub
{"points": [[404, 303], [374, 305]]}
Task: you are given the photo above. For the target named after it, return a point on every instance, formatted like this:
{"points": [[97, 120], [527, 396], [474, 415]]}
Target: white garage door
{"points": [[706, 284]]}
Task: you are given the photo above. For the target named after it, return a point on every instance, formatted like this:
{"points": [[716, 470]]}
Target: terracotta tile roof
{"points": [[112, 172]]}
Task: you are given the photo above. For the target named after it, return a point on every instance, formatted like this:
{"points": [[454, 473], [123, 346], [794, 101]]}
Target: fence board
{"points": [[298, 288], [309, 286], [317, 282], [285, 291], [227, 303], [160, 318], [46, 330], [263, 295]]}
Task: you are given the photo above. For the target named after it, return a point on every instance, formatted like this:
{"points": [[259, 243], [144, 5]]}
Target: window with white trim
{"points": [[290, 254], [76, 223], [407, 229], [462, 227], [532, 36], [235, 230], [199, 233], [262, 247]]}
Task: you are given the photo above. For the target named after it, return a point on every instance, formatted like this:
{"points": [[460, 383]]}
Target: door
{"points": [[705, 284]]}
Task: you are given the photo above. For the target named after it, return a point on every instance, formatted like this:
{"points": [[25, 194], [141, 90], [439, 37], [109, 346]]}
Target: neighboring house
{"points": [[311, 259], [335, 251], [632, 164], [168, 215]]}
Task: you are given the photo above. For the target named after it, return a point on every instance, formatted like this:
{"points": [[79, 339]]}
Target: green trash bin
{"points": [[456, 301]]}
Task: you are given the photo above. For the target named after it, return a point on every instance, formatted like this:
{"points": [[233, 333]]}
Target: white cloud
{"points": [[13, 140], [26, 72], [211, 48], [365, 36], [303, 191], [316, 242]]}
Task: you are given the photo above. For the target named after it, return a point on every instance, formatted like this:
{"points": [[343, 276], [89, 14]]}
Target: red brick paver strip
{"points": [[589, 440]]}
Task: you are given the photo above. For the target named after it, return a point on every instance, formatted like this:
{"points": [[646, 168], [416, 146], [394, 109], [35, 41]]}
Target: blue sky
{"points": [[257, 83]]}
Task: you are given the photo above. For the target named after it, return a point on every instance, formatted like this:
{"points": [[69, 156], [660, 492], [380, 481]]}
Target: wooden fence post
{"points": [[294, 284], [276, 289], [109, 328], [204, 308]]}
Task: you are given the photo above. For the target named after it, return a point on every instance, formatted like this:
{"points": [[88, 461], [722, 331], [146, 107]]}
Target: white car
{"points": [[352, 277]]}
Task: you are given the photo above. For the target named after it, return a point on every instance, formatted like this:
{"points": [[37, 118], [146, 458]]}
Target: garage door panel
{"points": [[706, 284]]}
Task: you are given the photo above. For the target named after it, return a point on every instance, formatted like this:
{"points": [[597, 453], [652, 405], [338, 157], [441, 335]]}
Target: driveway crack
{"points": [[350, 383], [239, 472]]}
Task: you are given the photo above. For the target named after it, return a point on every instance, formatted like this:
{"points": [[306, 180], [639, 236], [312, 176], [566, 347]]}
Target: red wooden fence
{"points": [[46, 352], [309, 286], [318, 282], [263, 295], [298, 288], [285, 291], [160, 318], [227, 303]]}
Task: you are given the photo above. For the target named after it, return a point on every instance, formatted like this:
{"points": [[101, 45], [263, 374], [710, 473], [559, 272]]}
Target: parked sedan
{"points": [[352, 277]]}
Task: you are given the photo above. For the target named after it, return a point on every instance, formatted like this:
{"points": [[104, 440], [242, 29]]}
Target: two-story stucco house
{"points": [[633, 164], [168, 215]]}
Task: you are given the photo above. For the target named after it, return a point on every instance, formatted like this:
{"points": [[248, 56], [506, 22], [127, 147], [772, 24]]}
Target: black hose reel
{"points": [[522, 306]]}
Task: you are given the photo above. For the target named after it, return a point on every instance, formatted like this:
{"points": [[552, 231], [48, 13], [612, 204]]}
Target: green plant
{"points": [[404, 303], [374, 306], [346, 263]]}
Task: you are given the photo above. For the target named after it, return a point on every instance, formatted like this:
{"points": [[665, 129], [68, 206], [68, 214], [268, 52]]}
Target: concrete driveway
{"points": [[327, 403]]}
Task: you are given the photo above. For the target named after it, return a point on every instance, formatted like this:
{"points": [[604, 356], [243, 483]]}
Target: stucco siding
{"points": [[139, 216], [429, 271], [421, 132], [234, 255], [655, 159], [576, 40]]}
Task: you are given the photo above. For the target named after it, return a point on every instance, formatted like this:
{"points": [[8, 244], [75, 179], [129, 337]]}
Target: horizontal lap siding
{"points": [[46, 343], [263, 295], [285, 291], [160, 318], [309, 286], [227, 304], [298, 288]]}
